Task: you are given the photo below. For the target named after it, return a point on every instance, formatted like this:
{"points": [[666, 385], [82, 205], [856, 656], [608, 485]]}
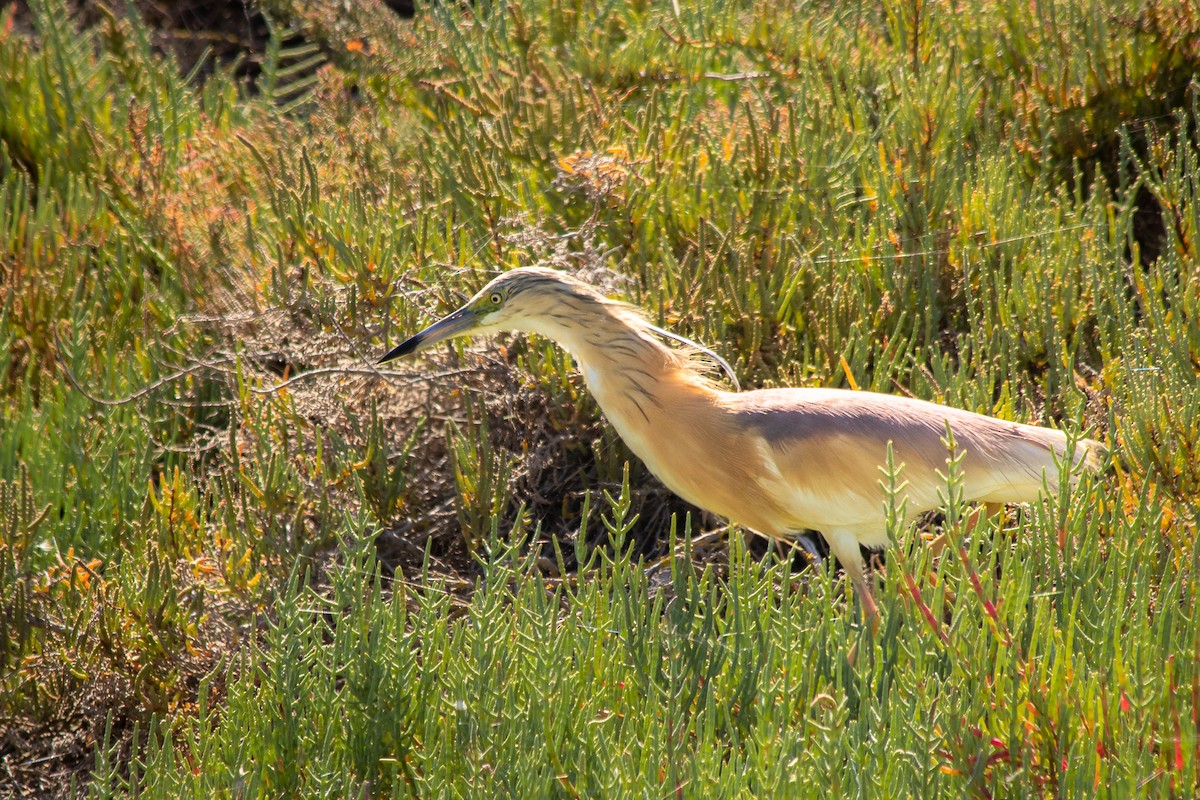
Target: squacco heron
{"points": [[777, 461]]}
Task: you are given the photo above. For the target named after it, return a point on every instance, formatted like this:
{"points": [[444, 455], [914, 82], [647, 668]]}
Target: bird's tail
{"points": [[1091, 455]]}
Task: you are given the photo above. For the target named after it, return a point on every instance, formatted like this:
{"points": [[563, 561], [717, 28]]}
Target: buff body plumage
{"points": [[777, 461]]}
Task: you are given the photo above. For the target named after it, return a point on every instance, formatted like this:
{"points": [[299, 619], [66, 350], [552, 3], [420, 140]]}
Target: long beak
{"points": [[456, 324]]}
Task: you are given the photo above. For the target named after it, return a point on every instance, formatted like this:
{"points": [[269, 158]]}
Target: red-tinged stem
{"points": [[989, 607], [924, 609]]}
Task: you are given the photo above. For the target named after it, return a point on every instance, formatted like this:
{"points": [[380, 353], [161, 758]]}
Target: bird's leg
{"points": [[980, 515], [844, 546], [867, 598], [808, 547]]}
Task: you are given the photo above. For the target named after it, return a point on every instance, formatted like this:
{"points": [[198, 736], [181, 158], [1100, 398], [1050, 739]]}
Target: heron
{"points": [[779, 462]]}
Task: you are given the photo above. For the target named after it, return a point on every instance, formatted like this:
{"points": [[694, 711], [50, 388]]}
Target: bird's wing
{"points": [[829, 448]]}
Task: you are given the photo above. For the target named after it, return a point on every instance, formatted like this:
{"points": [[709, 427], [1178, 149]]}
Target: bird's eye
{"points": [[496, 298]]}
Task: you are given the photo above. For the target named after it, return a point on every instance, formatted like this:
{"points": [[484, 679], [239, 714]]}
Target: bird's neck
{"points": [[632, 374], [671, 418]]}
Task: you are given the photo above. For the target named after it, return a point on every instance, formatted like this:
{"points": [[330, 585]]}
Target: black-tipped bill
{"points": [[456, 324]]}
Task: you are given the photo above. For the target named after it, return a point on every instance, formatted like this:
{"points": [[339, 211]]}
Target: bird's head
{"points": [[521, 299]]}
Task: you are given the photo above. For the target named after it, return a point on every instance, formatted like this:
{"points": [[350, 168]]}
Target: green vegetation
{"points": [[236, 561]]}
